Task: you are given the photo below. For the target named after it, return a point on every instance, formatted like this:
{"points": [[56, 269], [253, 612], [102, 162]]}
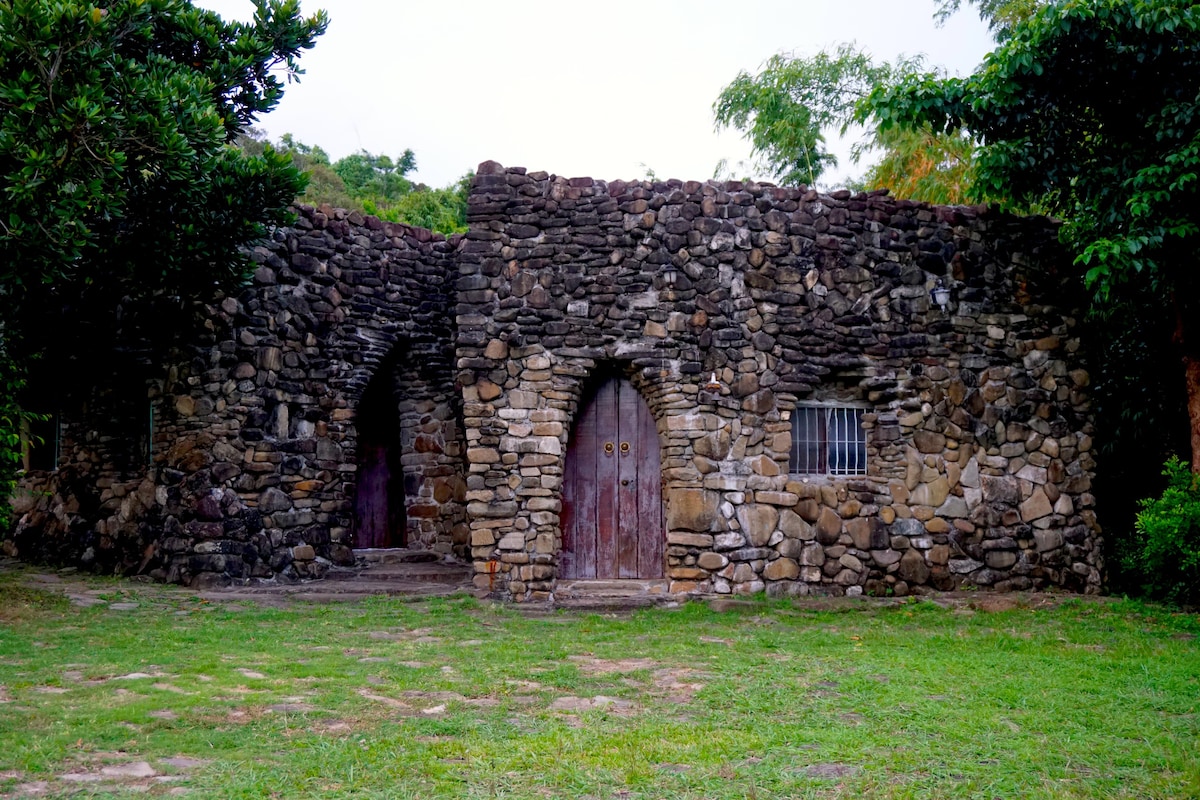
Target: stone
{"points": [[272, 500], [711, 561], [928, 441], [964, 566], [1004, 489], [715, 445], [813, 555], [953, 508], [692, 510], [1000, 559], [1048, 540], [1036, 507], [913, 569], [782, 569], [690, 539], [760, 402], [829, 526], [860, 532], [850, 562], [793, 525], [933, 493], [758, 522], [885, 558]]}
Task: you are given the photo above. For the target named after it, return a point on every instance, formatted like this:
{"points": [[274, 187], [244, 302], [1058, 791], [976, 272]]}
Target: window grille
{"points": [[828, 440]]}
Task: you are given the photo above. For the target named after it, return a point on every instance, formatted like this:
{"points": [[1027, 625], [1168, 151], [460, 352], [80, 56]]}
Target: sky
{"points": [[606, 89]]}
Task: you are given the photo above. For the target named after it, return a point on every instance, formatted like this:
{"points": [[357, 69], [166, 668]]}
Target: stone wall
{"points": [[254, 466], [468, 361], [979, 439]]}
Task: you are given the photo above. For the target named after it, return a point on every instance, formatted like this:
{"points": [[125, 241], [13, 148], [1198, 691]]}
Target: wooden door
{"points": [[379, 511], [612, 489]]}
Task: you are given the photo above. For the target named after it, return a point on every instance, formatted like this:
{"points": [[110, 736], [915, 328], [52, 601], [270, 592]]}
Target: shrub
{"points": [[1166, 547]]}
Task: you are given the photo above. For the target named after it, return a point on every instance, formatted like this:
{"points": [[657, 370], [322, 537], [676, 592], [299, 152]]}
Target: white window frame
{"points": [[842, 438]]}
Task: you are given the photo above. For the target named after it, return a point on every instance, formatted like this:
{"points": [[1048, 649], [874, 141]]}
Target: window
{"points": [[39, 443], [828, 440]]}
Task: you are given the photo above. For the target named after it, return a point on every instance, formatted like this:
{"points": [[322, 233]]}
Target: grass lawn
{"points": [[455, 698]]}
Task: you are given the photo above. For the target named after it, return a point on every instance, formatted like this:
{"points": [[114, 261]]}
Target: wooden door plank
{"points": [[585, 485], [371, 498], [607, 525], [567, 519], [628, 405], [651, 531]]}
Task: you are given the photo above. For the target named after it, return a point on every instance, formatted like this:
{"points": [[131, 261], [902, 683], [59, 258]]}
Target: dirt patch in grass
{"points": [[590, 665], [830, 770], [677, 685]]}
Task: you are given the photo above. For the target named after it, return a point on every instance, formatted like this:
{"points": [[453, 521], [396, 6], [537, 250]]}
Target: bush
{"points": [[1166, 547]]}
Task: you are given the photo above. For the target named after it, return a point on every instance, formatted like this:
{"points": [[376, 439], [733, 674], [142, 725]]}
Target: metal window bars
{"points": [[828, 440]]}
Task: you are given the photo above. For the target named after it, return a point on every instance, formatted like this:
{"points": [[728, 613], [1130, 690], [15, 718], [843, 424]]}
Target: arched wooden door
{"points": [[612, 489]]}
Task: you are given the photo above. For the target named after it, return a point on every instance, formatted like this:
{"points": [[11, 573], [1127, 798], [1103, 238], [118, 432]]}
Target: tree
{"points": [[784, 109], [377, 185], [119, 178], [1000, 15], [367, 174], [1091, 108]]}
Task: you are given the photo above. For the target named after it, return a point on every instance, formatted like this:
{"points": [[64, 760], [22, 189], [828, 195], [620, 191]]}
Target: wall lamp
{"points": [[940, 294]]}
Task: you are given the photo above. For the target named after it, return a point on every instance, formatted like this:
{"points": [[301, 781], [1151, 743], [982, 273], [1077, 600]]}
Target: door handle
{"points": [[624, 448]]}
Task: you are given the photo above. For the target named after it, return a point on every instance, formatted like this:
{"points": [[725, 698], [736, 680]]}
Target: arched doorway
{"points": [[612, 488], [409, 480], [379, 503]]}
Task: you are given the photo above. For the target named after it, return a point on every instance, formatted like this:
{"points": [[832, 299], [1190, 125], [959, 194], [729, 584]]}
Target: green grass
{"points": [[454, 698]]}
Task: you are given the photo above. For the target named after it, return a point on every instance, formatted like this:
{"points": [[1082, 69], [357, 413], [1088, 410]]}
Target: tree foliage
{"points": [[920, 164], [113, 131], [1166, 551], [375, 184], [1090, 109], [784, 109], [1000, 15], [368, 175], [116, 168]]}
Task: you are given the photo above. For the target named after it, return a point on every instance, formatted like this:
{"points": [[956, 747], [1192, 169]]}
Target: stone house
{"points": [[709, 387]]}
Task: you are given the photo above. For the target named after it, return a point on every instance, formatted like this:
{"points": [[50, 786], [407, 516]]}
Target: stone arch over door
{"points": [[612, 521], [409, 490]]}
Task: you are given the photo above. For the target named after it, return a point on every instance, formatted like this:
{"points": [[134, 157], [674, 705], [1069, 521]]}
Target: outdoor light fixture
{"points": [[941, 295], [670, 276], [713, 384]]}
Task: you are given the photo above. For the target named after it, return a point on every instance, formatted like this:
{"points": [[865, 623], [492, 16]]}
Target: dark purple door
{"points": [[612, 489]]}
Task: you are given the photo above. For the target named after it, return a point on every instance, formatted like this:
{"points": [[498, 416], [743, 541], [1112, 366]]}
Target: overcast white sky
{"points": [[579, 89]]}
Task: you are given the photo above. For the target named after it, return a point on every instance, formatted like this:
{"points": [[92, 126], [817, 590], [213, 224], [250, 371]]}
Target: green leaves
{"points": [[1166, 550], [118, 180], [784, 108]]}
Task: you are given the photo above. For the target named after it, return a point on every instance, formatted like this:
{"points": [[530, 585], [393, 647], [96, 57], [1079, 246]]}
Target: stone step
{"points": [[612, 588], [394, 555], [438, 572], [341, 591]]}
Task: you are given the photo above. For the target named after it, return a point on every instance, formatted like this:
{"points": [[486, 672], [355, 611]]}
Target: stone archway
{"points": [[409, 489]]}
